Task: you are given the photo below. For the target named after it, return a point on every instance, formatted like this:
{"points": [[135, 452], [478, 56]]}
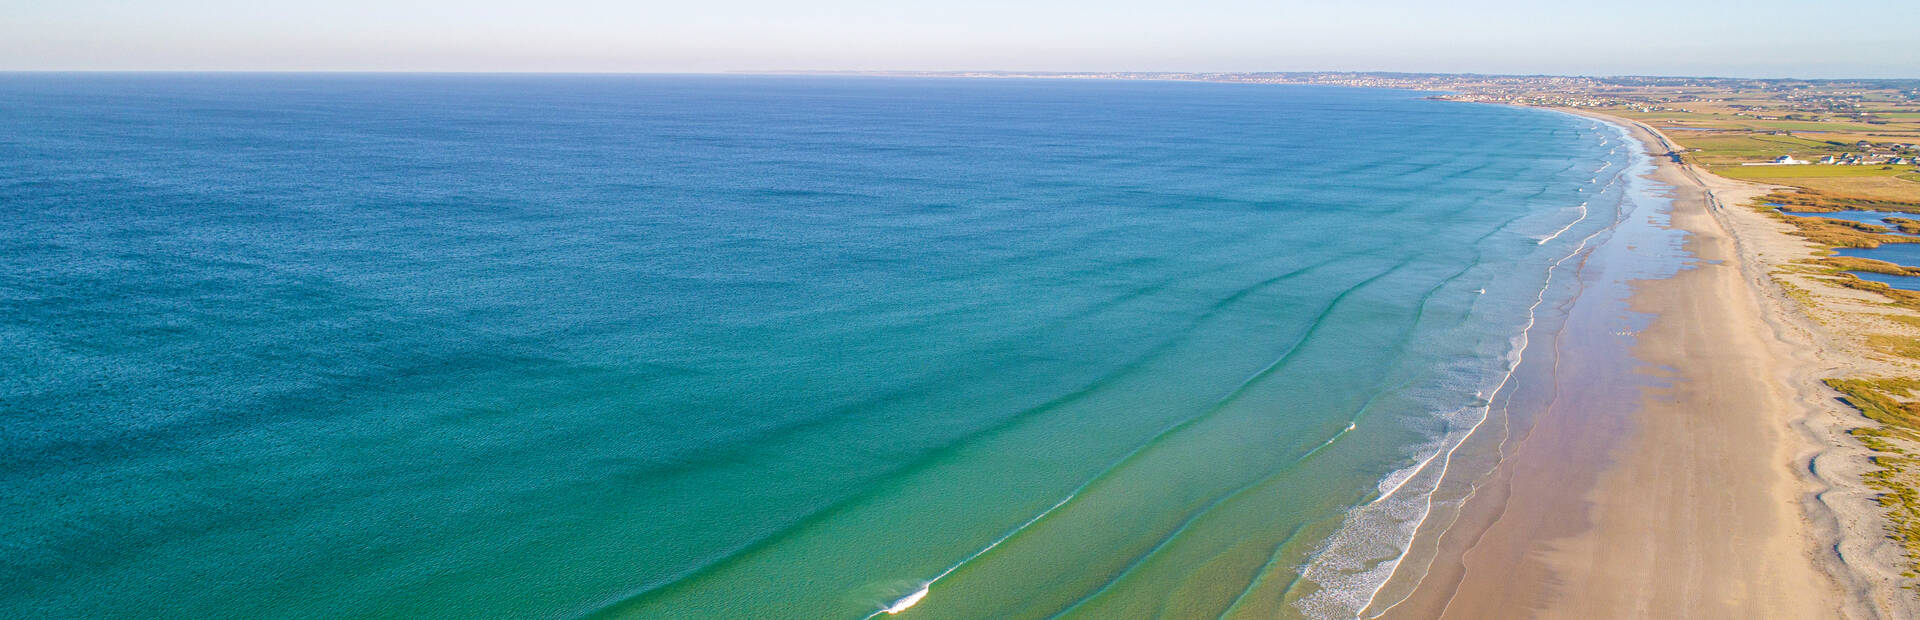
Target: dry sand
{"points": [[1727, 489]]}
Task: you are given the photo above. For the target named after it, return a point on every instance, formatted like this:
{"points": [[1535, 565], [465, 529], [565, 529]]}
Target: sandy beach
{"points": [[1725, 488]]}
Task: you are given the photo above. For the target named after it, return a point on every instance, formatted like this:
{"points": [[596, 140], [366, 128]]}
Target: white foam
{"points": [[915, 597], [1563, 229], [1384, 527], [908, 601]]}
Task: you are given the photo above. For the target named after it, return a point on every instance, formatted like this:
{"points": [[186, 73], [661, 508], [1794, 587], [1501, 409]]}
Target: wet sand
{"points": [[1673, 481]]}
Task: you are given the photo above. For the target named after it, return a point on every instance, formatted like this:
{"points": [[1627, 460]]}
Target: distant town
{"points": [[1766, 130]]}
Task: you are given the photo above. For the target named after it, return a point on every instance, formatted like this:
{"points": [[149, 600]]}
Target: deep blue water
{"points": [[1910, 283], [1898, 253], [512, 346], [1877, 218]]}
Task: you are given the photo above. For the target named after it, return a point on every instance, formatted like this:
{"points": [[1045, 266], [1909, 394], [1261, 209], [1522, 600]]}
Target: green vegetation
{"points": [[1869, 128], [1794, 292], [1721, 124], [1904, 319], [1866, 127], [1889, 402], [1900, 298], [1734, 147], [1851, 263], [1838, 233], [1807, 200], [1902, 346], [1774, 173]]}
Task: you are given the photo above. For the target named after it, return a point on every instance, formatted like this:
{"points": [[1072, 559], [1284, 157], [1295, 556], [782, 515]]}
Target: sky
{"points": [[1757, 38]]}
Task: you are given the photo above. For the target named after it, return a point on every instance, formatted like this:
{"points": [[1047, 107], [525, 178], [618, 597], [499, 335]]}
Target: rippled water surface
{"points": [[458, 346]]}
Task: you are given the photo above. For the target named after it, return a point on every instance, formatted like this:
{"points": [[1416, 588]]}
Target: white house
{"points": [[1783, 160]]}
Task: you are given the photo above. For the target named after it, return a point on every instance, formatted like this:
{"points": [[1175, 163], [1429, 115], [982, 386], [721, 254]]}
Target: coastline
{"points": [[1660, 505], [1840, 510]]}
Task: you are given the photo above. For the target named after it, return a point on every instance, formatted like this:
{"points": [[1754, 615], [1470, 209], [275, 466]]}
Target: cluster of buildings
{"points": [[1870, 155], [1866, 159], [1874, 154]]}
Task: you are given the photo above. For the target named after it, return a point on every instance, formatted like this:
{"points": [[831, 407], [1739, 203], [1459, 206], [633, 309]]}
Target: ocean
{"points": [[320, 346]]}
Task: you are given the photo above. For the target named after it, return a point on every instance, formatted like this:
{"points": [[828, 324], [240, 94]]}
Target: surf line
{"points": [[1556, 234], [1443, 456], [913, 598], [906, 602], [1446, 456], [1196, 515]]}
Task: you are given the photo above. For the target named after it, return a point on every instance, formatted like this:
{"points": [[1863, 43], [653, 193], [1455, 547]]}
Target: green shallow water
{"points": [[455, 346]]}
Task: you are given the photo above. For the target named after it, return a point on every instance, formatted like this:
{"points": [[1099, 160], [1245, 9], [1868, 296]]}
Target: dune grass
{"points": [[1902, 346], [1807, 171], [1854, 263], [1889, 402], [1813, 200], [1840, 233]]}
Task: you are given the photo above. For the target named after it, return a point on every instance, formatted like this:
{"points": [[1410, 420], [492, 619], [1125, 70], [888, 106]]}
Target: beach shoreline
{"points": [[1659, 505], [1843, 518]]}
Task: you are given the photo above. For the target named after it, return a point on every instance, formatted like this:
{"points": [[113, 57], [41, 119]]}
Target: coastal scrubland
{"points": [[1891, 403], [1861, 142]]}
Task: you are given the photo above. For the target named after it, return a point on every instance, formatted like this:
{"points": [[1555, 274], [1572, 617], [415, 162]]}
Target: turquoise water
{"points": [[520, 346]]}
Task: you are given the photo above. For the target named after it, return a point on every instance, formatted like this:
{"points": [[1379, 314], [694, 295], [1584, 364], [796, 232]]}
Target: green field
{"points": [[1739, 146], [1830, 126], [1806, 171]]}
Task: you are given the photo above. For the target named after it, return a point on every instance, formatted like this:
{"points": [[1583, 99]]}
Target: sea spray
{"points": [[1348, 572]]}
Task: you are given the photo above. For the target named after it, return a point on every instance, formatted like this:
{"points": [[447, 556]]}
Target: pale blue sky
{"points": [[1874, 38]]}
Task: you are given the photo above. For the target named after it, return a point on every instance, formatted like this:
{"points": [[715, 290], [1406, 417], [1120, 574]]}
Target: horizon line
{"points": [[1084, 74]]}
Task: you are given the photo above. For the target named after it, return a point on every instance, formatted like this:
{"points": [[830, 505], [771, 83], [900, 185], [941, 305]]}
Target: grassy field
{"points": [[1875, 187], [1733, 147], [1824, 122], [1777, 173]]}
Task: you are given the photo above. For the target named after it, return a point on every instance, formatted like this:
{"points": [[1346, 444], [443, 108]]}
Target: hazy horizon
{"points": [[927, 73], [1771, 39]]}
